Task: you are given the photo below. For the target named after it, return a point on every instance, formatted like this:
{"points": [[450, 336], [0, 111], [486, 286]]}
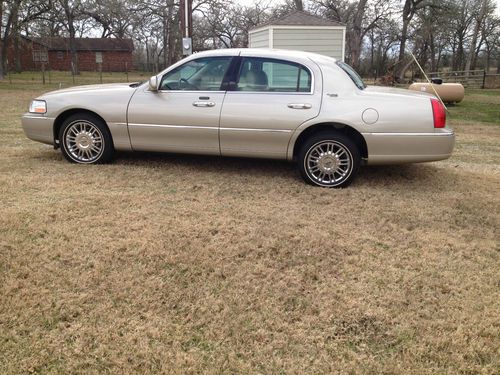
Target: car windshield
{"points": [[358, 81]]}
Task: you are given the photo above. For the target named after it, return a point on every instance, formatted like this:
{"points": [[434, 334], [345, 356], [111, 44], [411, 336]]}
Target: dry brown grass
{"points": [[181, 264]]}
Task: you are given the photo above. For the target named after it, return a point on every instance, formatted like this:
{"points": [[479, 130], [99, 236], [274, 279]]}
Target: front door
{"points": [[271, 98], [183, 115]]}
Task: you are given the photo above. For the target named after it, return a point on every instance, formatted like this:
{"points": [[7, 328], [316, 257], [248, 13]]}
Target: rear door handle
{"points": [[299, 106], [204, 104]]}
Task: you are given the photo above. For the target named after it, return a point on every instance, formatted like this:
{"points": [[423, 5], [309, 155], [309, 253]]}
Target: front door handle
{"points": [[204, 104], [299, 106]]}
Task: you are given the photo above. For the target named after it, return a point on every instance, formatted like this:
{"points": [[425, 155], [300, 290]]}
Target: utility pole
{"points": [[1, 47], [186, 7]]}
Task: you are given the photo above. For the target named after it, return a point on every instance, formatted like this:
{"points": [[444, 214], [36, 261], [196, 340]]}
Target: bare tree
{"points": [[358, 21], [70, 10], [491, 34], [479, 20], [410, 7]]}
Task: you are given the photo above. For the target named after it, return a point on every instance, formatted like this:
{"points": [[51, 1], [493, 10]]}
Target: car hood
{"points": [[93, 88], [395, 91]]}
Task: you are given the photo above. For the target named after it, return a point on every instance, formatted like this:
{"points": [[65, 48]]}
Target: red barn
{"points": [[112, 53]]}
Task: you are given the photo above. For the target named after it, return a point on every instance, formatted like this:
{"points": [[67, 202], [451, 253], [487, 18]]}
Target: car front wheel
{"points": [[85, 139], [329, 159]]}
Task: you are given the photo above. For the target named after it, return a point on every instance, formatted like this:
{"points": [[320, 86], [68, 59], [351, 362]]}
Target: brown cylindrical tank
{"points": [[449, 92]]}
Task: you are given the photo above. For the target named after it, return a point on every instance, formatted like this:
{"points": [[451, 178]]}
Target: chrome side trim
{"points": [[118, 123], [271, 93], [211, 128], [38, 117], [200, 92], [447, 134], [174, 126], [258, 130]]}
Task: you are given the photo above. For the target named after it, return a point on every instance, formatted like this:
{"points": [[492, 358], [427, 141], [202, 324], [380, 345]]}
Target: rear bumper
{"points": [[38, 128], [396, 148]]}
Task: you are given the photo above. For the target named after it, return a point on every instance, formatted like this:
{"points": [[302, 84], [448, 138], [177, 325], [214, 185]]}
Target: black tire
{"points": [[85, 139], [329, 159]]}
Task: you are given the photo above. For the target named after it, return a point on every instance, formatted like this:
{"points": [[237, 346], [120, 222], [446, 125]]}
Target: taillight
{"points": [[439, 114]]}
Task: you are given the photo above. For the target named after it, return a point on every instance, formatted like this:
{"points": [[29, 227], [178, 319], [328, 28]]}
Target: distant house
{"points": [[301, 31], [114, 54]]}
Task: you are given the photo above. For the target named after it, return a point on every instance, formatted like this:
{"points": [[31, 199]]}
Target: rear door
{"points": [[269, 100]]}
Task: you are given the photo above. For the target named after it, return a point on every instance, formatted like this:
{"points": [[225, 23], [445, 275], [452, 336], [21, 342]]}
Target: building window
{"points": [[98, 57], [40, 56], [60, 55]]}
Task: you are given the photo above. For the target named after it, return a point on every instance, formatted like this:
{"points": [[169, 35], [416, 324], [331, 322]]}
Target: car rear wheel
{"points": [[85, 139], [329, 159]]}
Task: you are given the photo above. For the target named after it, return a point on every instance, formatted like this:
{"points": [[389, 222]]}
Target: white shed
{"points": [[301, 31]]}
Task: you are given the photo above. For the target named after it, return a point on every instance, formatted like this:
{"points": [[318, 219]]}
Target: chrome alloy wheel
{"points": [[328, 163], [83, 141]]}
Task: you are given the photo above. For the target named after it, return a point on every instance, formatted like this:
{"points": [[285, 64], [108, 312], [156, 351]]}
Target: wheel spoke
{"points": [[314, 169], [340, 152]]}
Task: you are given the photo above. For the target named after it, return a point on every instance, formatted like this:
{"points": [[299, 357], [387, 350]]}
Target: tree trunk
{"points": [[472, 49], [402, 46], [15, 40], [171, 33], [70, 17], [432, 47], [17, 54], [372, 51], [165, 24], [408, 12], [147, 56], [488, 56], [298, 5], [72, 48], [356, 39], [7, 32]]}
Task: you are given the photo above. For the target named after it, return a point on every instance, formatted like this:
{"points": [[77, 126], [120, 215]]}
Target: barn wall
{"points": [[114, 61], [259, 39], [25, 55], [327, 42], [111, 61]]}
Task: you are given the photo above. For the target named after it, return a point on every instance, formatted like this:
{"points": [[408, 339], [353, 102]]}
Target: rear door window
{"points": [[271, 75]]}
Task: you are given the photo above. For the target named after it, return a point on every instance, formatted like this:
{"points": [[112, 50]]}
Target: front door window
{"points": [[205, 74]]}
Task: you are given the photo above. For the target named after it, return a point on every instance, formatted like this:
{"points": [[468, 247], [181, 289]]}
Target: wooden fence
{"points": [[468, 78]]}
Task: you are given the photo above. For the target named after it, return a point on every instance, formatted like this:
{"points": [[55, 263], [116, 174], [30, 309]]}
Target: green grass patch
{"points": [[477, 106]]}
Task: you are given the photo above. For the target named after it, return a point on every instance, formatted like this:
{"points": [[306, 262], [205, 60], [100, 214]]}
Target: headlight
{"points": [[38, 106]]}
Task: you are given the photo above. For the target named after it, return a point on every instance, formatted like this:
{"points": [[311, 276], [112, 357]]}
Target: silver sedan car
{"points": [[260, 103]]}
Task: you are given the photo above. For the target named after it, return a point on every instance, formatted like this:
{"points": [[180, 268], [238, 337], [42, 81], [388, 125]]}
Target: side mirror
{"points": [[153, 83]]}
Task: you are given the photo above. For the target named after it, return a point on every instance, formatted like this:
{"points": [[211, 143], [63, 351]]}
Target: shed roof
{"points": [[85, 44], [300, 18]]}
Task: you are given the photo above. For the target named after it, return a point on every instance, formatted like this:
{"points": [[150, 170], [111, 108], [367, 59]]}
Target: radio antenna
{"points": [[428, 80]]}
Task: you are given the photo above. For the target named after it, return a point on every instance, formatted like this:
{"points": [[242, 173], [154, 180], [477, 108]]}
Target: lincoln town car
{"points": [[290, 105]]}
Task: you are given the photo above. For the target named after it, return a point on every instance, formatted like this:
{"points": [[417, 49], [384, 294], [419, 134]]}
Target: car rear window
{"points": [[358, 81]]}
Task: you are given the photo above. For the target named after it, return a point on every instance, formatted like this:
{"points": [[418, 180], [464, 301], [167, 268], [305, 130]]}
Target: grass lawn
{"points": [[184, 265]]}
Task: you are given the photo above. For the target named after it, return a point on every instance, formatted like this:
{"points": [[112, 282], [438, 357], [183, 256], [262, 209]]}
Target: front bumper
{"points": [[38, 128], [396, 148]]}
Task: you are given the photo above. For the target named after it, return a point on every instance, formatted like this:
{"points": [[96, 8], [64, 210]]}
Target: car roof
{"points": [[265, 52]]}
